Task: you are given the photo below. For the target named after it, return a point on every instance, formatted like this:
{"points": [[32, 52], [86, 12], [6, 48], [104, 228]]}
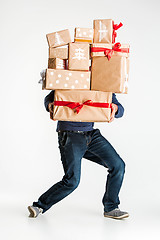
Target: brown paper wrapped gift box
{"points": [[66, 79], [56, 63], [59, 38], [99, 45], [58, 52], [84, 35], [100, 52], [110, 75], [103, 30], [86, 113], [78, 56]]}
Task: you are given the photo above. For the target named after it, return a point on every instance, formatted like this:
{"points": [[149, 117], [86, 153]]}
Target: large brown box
{"points": [[78, 56], [110, 75], [87, 113], [66, 79], [59, 38], [103, 30], [58, 52]]}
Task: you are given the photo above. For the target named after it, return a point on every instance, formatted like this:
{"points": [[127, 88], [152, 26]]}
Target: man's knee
{"points": [[123, 166], [74, 184], [120, 167], [71, 183]]}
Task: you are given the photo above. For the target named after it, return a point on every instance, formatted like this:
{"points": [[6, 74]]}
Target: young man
{"points": [[79, 140]]}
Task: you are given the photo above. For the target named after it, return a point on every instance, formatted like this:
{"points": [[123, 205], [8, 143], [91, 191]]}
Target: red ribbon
{"points": [[109, 52], [115, 28], [78, 106]]}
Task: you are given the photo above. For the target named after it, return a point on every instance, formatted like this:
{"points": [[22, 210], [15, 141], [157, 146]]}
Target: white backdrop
{"points": [[30, 160]]}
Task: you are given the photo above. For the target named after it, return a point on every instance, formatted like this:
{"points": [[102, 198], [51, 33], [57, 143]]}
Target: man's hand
{"points": [[50, 107], [114, 110]]}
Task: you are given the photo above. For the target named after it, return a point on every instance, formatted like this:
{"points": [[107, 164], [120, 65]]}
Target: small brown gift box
{"points": [[84, 35], [65, 79], [103, 30], [60, 38], [122, 54], [110, 75], [56, 63], [81, 106], [58, 52], [100, 46], [98, 49], [78, 56]]}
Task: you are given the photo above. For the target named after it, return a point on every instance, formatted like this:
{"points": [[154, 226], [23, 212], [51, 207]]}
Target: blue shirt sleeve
{"points": [[120, 111], [49, 99]]}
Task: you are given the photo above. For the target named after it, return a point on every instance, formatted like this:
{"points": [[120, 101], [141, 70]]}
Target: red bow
{"points": [[115, 28], [78, 106], [116, 47], [109, 52]]}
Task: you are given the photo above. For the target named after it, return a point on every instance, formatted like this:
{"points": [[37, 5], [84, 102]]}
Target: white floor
{"points": [[75, 220]]}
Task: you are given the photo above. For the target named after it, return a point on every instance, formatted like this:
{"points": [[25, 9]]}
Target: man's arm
{"points": [[49, 99], [120, 111], [117, 109]]}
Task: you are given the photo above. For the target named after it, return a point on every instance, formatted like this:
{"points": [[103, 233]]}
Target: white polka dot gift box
{"points": [[81, 106], [66, 79], [84, 35], [105, 30], [59, 38], [78, 56]]}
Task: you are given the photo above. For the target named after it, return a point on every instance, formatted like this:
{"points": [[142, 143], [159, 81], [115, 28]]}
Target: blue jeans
{"points": [[93, 146]]}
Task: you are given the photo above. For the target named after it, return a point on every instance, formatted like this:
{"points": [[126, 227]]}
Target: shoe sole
{"points": [[33, 213], [120, 217]]}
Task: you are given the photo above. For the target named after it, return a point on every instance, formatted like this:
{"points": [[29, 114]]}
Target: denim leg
{"points": [[72, 148], [101, 151]]}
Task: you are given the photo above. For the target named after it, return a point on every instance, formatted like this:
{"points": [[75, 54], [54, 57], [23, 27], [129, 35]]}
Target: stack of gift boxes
{"points": [[86, 72]]}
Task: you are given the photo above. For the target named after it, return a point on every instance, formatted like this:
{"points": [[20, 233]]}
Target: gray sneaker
{"points": [[34, 211], [116, 214]]}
